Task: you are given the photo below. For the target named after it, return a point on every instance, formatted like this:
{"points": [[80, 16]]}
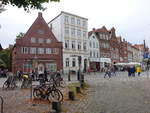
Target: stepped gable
{"points": [[103, 29], [40, 26]]}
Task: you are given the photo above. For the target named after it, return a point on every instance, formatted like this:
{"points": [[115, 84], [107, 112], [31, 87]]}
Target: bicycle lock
{"points": [[2, 102]]}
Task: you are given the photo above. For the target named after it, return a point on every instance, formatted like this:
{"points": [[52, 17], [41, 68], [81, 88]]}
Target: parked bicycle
{"points": [[57, 80], [27, 81], [11, 82], [45, 91]]}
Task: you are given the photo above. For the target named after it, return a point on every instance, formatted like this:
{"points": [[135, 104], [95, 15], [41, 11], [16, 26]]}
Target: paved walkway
{"points": [[119, 94]]}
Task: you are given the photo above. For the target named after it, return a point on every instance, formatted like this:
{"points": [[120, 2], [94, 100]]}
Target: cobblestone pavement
{"points": [[119, 94]]}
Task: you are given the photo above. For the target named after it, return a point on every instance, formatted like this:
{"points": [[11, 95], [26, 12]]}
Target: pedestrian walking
{"points": [[107, 72], [129, 71], [138, 70]]}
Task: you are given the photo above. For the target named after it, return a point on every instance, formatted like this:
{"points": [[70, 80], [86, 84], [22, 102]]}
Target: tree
{"points": [[5, 59], [2, 8], [28, 4], [20, 35]]}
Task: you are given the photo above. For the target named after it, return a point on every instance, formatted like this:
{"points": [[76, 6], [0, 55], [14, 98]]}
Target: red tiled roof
{"points": [[103, 29]]}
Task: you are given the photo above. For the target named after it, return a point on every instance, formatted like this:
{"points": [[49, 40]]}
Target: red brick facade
{"points": [[38, 49], [114, 47]]}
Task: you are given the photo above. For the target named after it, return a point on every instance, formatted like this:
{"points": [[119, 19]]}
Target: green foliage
{"points": [[28, 4], [20, 35], [2, 8], [5, 60]]}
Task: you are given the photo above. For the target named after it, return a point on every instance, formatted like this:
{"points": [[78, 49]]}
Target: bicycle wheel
{"points": [[54, 96], [5, 86], [36, 93], [61, 97]]}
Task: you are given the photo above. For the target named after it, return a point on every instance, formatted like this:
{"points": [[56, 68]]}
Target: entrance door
{"points": [[41, 68]]}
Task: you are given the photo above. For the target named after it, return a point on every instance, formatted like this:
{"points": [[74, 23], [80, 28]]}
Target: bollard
{"points": [[2, 102], [56, 106], [78, 90], [71, 95]]}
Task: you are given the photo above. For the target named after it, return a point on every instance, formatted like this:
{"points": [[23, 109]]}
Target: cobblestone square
{"points": [[119, 94]]}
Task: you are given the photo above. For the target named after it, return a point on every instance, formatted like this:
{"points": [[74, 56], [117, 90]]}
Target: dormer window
{"points": [[41, 40], [40, 31], [33, 40], [48, 41]]}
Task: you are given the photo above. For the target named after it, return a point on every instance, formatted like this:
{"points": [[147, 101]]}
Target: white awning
{"points": [[107, 60]]}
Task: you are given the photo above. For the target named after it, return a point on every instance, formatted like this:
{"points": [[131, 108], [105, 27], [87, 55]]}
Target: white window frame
{"points": [[78, 33], [33, 40], [32, 50], [40, 50], [41, 40], [67, 44], [73, 32]]}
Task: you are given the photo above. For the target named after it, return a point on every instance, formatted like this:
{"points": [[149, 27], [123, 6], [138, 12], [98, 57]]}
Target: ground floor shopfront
{"points": [[38, 66]]}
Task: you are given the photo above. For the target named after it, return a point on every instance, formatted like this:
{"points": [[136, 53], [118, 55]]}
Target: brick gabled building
{"points": [[37, 50], [114, 47], [104, 36], [123, 51]]}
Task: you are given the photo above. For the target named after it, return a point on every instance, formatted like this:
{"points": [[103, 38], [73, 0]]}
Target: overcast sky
{"points": [[131, 18]]}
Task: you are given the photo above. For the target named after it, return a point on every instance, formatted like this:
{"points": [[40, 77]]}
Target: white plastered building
{"points": [[72, 30]]}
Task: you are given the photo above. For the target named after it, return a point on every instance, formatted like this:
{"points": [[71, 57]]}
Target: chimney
{"points": [[39, 14]]}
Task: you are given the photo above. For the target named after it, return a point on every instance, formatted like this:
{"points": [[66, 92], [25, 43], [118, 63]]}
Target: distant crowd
{"points": [[132, 70]]}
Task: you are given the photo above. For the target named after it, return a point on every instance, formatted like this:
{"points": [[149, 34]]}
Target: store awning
{"points": [[107, 60]]}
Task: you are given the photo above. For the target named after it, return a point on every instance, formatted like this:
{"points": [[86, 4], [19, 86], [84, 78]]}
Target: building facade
{"points": [[37, 50], [123, 51], [94, 49], [114, 47], [72, 30], [104, 36], [130, 52]]}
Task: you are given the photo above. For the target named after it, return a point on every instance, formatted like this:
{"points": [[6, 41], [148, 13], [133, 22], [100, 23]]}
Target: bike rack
{"points": [[2, 102]]}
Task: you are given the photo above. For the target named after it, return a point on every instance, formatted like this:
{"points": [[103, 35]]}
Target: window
{"points": [[41, 40], [93, 44], [94, 54], [67, 31], [78, 22], [84, 46], [73, 45], [54, 50], [79, 45], [48, 50], [72, 20], [73, 62], [66, 19], [25, 50], [51, 67], [97, 45], [90, 44], [40, 50], [32, 50], [33, 40], [67, 44], [67, 62], [40, 31], [84, 23], [48, 41], [84, 33], [72, 31], [90, 53], [79, 33]]}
